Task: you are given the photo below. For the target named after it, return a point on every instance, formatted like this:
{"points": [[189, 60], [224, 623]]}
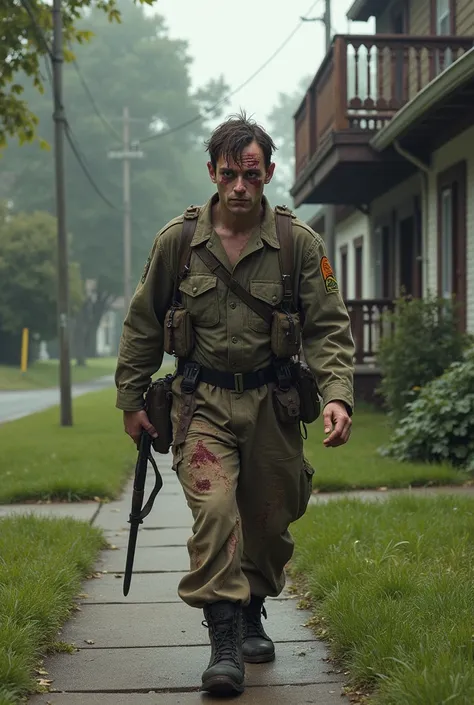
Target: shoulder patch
{"points": [[329, 279]]}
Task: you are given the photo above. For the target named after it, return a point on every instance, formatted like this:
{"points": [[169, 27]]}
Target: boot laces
{"points": [[253, 622], [225, 640]]}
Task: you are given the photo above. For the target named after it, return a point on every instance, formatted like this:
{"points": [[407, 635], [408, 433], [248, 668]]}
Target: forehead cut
{"points": [[253, 159]]}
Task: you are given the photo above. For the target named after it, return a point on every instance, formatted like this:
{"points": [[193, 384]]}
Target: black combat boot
{"points": [[226, 671], [257, 646]]}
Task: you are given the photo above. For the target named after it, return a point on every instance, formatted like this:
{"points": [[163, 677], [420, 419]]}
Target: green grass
{"points": [[41, 567], [357, 465], [393, 592], [39, 459], [46, 373]]}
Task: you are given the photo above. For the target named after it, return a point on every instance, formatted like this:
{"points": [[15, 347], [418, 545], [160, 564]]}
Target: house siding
{"points": [[464, 17], [349, 230], [460, 148]]}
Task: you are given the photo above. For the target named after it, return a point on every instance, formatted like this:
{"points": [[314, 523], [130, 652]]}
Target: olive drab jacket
{"points": [[228, 335]]}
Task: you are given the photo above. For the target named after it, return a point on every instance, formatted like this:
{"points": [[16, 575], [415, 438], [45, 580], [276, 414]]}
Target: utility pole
{"points": [[126, 154], [330, 210], [63, 273]]}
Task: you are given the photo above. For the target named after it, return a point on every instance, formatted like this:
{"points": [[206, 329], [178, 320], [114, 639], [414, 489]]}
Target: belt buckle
{"points": [[190, 379], [239, 382]]}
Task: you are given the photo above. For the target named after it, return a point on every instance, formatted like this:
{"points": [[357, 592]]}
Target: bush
{"points": [[424, 342], [439, 425]]}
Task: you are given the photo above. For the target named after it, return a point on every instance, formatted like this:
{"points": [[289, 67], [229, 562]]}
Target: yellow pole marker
{"points": [[24, 350]]}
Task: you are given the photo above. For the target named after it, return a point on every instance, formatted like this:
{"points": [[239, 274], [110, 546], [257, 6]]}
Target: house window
{"points": [[444, 27], [446, 242], [343, 252], [359, 263]]}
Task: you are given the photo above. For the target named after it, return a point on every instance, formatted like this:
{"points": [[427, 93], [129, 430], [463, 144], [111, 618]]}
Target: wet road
{"points": [[15, 405]]}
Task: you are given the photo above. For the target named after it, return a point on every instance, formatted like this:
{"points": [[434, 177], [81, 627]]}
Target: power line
{"points": [[96, 108], [191, 121], [26, 6], [73, 143]]}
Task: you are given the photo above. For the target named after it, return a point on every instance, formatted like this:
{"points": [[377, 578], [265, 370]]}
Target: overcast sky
{"points": [[236, 38]]}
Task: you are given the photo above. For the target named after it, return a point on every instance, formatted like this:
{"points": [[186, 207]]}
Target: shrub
{"points": [[424, 342], [439, 425]]}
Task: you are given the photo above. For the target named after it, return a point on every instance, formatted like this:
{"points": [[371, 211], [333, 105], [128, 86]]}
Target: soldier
{"points": [[237, 452]]}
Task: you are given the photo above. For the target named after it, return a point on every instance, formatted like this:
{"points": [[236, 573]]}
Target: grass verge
{"points": [[41, 460], [46, 374], [41, 567], [357, 465], [393, 589]]}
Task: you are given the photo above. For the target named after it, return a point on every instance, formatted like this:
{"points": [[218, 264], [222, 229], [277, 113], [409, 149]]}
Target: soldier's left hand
{"points": [[337, 423]]}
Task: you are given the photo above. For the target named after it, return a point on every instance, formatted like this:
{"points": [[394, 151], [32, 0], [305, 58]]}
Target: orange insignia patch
{"points": [[329, 279]]}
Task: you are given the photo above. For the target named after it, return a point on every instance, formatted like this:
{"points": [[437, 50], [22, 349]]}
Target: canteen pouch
{"points": [[285, 334], [158, 402], [178, 332], [310, 400]]}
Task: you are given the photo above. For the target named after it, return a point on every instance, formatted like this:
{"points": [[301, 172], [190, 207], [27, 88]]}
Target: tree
{"points": [[134, 64], [25, 31], [281, 128], [28, 279]]}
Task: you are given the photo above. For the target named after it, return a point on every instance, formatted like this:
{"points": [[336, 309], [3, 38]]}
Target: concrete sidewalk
{"points": [[150, 648]]}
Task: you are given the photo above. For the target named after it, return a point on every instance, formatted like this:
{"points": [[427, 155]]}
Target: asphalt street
{"points": [[15, 405]]}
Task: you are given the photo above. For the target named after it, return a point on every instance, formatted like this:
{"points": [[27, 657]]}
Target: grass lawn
{"points": [[393, 592], [45, 373], [41, 567], [357, 465], [41, 460]]}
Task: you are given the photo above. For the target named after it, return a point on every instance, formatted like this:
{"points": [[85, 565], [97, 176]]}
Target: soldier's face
{"points": [[240, 186]]}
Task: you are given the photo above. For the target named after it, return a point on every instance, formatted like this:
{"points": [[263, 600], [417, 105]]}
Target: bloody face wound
{"points": [[240, 184]]}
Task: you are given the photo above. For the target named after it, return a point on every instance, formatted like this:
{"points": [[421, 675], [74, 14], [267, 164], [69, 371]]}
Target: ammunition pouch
{"points": [[296, 397], [285, 334], [178, 332], [158, 402]]}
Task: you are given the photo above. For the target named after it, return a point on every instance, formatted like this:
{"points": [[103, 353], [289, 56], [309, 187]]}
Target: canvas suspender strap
{"points": [[190, 221], [285, 237], [286, 253], [217, 268]]}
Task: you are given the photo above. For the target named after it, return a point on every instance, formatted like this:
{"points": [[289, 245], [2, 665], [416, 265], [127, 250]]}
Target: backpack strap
{"points": [[284, 230], [191, 215]]}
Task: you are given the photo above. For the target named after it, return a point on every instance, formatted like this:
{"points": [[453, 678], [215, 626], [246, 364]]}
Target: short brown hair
{"points": [[232, 136]]}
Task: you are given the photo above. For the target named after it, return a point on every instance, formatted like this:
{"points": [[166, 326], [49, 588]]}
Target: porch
{"points": [[368, 329], [361, 84]]}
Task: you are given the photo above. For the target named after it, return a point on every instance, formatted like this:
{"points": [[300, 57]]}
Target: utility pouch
{"points": [[158, 402], [310, 400], [178, 332], [285, 334], [286, 398]]}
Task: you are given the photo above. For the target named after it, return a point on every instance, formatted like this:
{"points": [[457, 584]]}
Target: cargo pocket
{"points": [[271, 293], [201, 299]]}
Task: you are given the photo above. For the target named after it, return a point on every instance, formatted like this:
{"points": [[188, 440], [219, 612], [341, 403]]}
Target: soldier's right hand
{"points": [[134, 422]]}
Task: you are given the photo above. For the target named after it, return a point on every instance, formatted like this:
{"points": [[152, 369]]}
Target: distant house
{"points": [[385, 132]]}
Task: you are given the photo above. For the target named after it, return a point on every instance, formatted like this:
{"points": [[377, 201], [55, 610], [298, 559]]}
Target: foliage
{"points": [[28, 274], [26, 29], [393, 592], [42, 564], [358, 464], [281, 128], [425, 340], [132, 64], [439, 425]]}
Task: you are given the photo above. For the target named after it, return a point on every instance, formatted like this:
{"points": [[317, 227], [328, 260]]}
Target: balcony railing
{"points": [[368, 326], [364, 80]]}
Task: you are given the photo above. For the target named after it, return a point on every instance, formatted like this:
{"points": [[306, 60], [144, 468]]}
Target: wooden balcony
{"points": [[361, 84], [368, 327]]}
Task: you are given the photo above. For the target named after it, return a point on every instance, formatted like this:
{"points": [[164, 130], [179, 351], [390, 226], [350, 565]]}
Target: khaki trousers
{"points": [[245, 480]]}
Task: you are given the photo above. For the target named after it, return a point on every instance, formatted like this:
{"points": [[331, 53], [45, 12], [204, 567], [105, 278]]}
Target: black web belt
{"points": [[238, 382]]}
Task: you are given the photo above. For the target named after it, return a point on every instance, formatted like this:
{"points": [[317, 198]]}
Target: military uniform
{"points": [[243, 473]]}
